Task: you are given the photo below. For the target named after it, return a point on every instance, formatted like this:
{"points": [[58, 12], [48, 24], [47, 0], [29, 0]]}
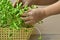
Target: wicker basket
{"points": [[22, 34]]}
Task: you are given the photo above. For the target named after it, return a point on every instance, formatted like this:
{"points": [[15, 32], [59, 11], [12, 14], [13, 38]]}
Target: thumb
{"points": [[26, 3], [14, 4]]}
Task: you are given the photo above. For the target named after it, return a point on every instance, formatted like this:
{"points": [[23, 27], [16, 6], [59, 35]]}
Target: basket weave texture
{"points": [[22, 34]]}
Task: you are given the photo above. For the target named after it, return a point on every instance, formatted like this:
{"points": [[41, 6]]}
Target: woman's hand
{"points": [[33, 16], [25, 2], [36, 2]]}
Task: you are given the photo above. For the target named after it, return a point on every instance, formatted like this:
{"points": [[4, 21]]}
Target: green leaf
{"points": [[20, 5], [11, 16]]}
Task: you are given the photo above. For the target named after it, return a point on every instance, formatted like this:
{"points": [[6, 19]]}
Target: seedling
{"points": [[10, 16]]}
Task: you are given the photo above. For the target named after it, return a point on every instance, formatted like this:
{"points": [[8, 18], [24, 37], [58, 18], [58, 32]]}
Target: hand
{"points": [[25, 2], [33, 16]]}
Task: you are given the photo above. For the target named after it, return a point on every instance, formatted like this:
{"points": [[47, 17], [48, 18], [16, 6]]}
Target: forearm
{"points": [[43, 2], [53, 9]]}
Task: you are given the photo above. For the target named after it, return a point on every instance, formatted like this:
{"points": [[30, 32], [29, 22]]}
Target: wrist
{"points": [[43, 12], [46, 13]]}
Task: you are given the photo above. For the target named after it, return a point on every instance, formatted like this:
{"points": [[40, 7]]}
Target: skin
{"points": [[41, 2], [35, 15], [36, 2]]}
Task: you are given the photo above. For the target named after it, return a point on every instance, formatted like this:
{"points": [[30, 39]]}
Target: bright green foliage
{"points": [[10, 16]]}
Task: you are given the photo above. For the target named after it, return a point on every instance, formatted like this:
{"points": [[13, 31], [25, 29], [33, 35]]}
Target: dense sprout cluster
{"points": [[10, 16]]}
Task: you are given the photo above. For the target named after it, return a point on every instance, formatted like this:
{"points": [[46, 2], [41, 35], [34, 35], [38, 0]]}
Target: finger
{"points": [[30, 13], [30, 22], [17, 2], [26, 3], [27, 13], [27, 18], [24, 15], [14, 5], [29, 10]]}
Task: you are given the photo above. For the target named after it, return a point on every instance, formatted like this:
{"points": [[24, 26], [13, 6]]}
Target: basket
{"points": [[22, 34], [36, 34]]}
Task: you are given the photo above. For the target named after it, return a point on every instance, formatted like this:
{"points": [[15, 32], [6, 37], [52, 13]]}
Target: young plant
{"points": [[10, 16]]}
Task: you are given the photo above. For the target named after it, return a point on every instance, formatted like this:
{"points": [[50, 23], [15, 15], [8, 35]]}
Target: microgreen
{"points": [[10, 16]]}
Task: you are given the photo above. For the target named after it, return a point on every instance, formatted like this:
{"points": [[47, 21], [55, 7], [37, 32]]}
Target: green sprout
{"points": [[10, 16]]}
